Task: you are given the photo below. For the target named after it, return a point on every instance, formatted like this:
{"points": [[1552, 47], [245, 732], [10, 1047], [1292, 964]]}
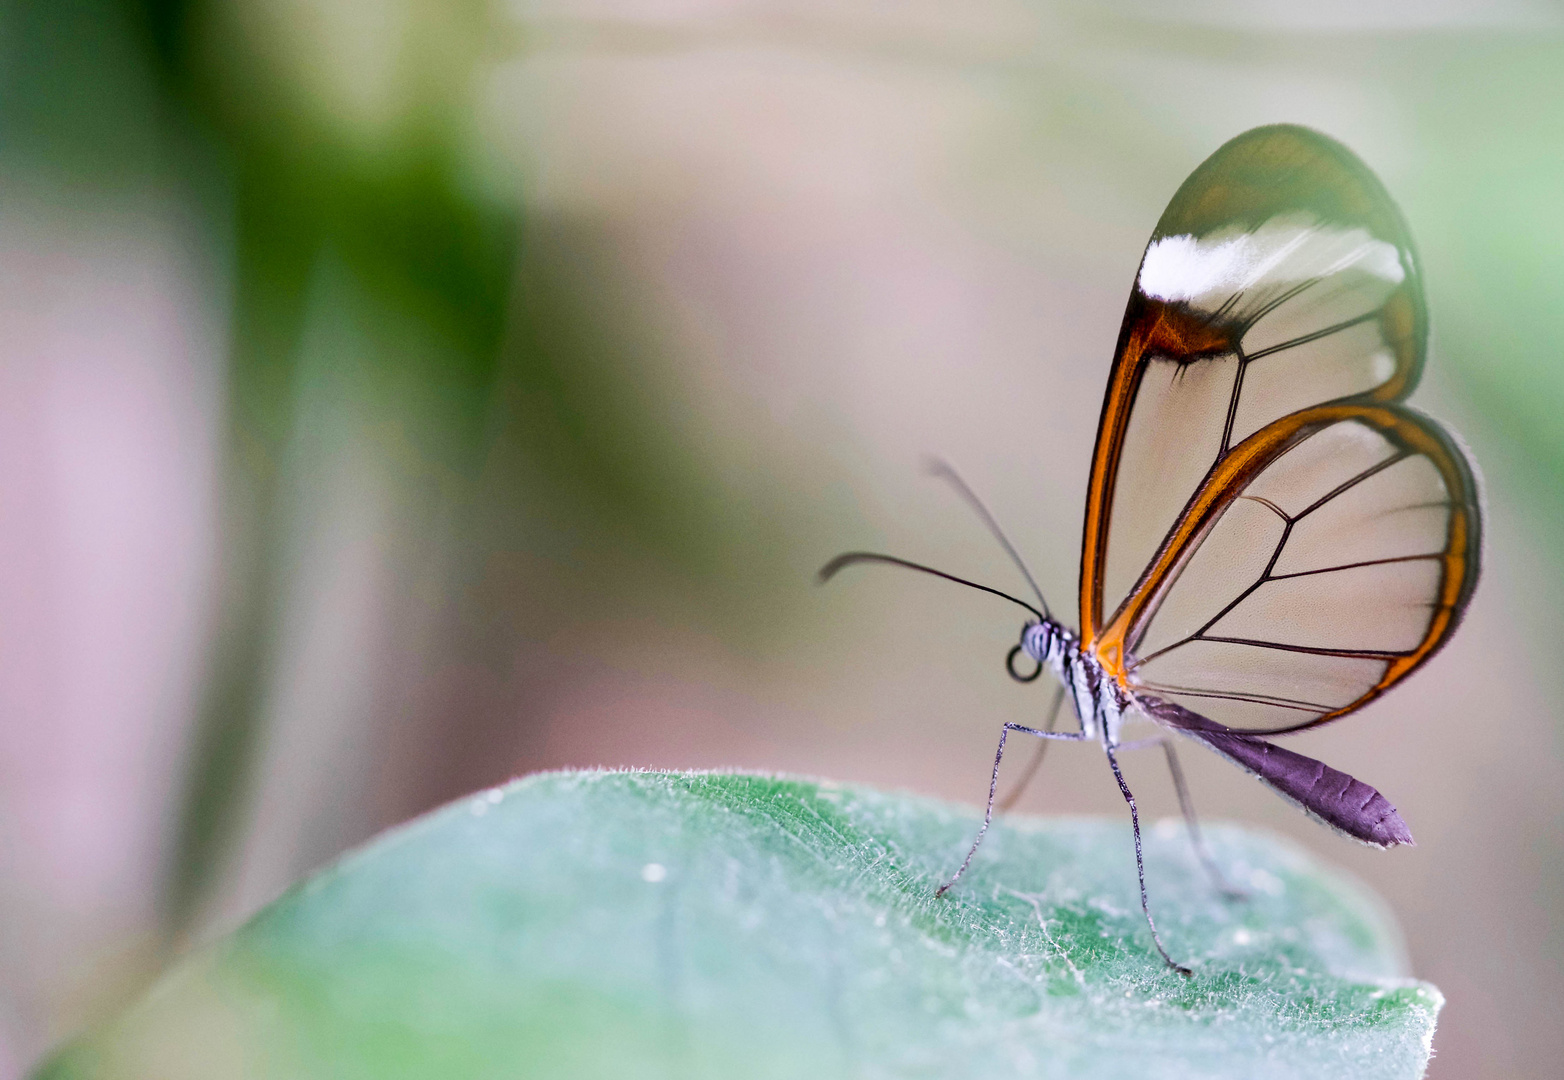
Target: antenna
{"points": [[941, 469], [848, 558]]}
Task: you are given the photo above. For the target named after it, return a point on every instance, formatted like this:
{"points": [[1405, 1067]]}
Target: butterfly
{"points": [[1272, 538]]}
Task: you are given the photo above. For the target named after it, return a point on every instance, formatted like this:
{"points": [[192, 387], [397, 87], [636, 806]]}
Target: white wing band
{"points": [[1207, 270]]}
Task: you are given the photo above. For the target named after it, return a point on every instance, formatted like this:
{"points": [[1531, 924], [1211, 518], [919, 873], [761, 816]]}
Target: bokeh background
{"points": [[400, 395]]}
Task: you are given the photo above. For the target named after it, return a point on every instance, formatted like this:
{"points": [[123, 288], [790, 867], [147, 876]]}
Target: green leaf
{"points": [[633, 924]]}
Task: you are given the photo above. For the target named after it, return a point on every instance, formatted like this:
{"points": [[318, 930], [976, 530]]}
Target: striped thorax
{"points": [[1099, 701]]}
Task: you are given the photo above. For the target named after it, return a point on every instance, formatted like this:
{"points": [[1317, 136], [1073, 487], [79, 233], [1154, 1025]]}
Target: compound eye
{"points": [[1010, 666]]}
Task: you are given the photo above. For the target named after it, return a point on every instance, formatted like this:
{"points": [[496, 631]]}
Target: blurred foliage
{"points": [[384, 193], [693, 925], [309, 134]]}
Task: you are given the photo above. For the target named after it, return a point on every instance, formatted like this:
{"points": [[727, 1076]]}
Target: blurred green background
{"points": [[399, 395]]}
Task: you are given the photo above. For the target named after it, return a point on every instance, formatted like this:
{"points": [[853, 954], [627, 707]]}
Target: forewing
{"points": [[1281, 277], [1324, 560]]}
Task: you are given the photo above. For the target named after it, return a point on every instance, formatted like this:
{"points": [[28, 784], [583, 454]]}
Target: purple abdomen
{"points": [[1337, 799]]}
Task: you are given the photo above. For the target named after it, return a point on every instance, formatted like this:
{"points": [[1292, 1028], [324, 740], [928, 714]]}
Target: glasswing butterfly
{"points": [[1272, 538]]}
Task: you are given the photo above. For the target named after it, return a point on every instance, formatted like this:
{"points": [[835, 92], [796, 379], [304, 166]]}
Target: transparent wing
{"points": [[1280, 277], [1321, 564]]}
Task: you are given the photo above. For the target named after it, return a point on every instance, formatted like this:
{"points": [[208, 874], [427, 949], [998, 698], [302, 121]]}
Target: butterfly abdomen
{"points": [[1330, 795], [1340, 801]]}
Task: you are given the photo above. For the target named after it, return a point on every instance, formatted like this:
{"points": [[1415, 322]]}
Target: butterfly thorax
{"points": [[1099, 700]]}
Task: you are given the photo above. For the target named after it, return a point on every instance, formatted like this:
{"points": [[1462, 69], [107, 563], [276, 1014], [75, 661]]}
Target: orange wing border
{"points": [[1151, 327]]}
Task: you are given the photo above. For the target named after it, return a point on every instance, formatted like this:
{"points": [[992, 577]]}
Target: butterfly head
{"points": [[1042, 640]]}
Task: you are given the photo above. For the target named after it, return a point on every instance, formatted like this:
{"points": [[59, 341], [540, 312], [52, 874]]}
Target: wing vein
{"points": [[1348, 484], [1306, 338], [1356, 565], [1311, 650], [1230, 695], [1232, 405], [1277, 302]]}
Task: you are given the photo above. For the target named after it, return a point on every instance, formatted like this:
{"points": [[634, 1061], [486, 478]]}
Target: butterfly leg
{"points": [[1140, 865], [1192, 823], [1037, 759], [993, 785], [1186, 806]]}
